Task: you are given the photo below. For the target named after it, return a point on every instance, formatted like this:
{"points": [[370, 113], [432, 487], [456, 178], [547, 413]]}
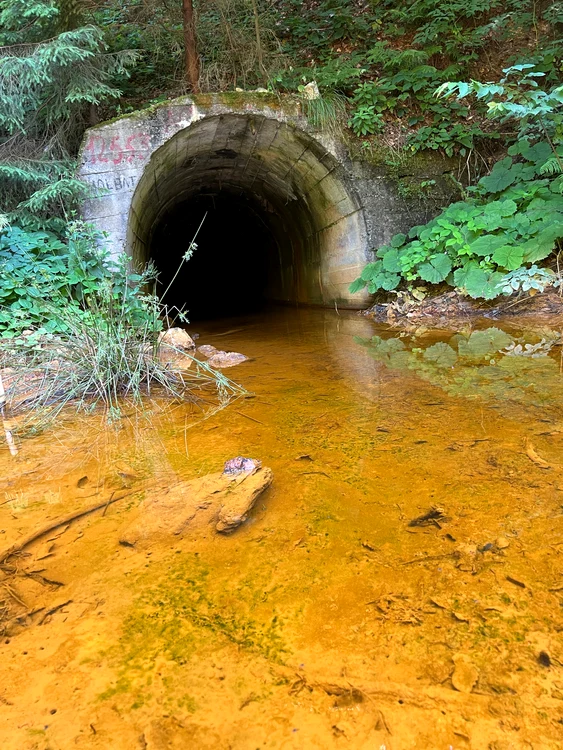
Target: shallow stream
{"points": [[330, 619]]}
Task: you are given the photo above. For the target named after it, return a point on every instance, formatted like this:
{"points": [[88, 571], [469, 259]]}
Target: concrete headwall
{"points": [[325, 210]]}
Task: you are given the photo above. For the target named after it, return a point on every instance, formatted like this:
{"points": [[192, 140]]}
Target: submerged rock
{"points": [[240, 499], [222, 499], [465, 673], [207, 350], [226, 359], [220, 359]]}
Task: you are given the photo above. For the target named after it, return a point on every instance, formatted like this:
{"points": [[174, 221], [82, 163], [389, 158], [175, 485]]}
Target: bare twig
{"points": [[27, 540]]}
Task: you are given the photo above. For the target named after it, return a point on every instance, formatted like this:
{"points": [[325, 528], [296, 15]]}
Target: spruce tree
{"points": [[52, 70]]}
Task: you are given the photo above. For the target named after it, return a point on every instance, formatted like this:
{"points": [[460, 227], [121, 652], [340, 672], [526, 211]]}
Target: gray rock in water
{"points": [[207, 350]]}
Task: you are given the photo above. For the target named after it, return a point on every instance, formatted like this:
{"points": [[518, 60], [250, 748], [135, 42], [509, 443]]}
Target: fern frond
{"points": [[552, 167]]}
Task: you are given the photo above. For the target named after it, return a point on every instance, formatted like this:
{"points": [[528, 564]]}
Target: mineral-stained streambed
{"points": [[399, 585]]}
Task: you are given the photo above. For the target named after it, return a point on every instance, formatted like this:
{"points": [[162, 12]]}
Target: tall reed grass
{"points": [[108, 357]]}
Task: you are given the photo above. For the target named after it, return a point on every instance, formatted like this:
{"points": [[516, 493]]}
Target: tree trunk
{"points": [[190, 44], [259, 52]]}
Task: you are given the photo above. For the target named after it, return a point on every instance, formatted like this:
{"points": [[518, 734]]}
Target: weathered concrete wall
{"points": [[325, 210]]}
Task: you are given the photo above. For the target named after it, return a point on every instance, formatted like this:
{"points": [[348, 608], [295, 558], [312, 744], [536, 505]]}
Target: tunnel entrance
{"points": [[282, 224], [229, 271]]}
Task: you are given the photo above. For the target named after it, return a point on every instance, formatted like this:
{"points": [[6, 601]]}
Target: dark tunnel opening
{"points": [[228, 273], [282, 224]]}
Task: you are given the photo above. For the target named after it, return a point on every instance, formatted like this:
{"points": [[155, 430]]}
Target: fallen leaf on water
{"points": [[459, 617], [516, 582], [533, 456]]}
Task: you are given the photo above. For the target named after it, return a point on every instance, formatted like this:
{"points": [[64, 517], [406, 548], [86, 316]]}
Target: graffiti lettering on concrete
{"points": [[117, 149], [113, 184]]}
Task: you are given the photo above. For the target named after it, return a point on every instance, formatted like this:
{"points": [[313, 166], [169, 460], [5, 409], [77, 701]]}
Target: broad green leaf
{"points": [[487, 244], [442, 354], [500, 178], [460, 274], [436, 269], [477, 283], [398, 240], [551, 233], [388, 346], [391, 261], [460, 212], [539, 153], [504, 208], [371, 270], [509, 257], [382, 251], [481, 344], [385, 281], [356, 286], [389, 281]]}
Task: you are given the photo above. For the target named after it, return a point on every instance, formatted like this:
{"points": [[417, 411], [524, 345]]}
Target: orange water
{"points": [[326, 620]]}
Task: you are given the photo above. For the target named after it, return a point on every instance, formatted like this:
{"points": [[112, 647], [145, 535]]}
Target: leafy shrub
{"points": [[451, 138], [514, 218], [526, 279], [41, 275], [406, 90], [93, 330], [365, 120], [517, 96]]}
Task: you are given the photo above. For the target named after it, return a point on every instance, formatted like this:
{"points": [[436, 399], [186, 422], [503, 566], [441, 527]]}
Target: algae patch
{"points": [[182, 617]]}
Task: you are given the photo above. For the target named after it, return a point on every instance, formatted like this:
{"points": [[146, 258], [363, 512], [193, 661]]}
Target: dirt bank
{"points": [[450, 309]]}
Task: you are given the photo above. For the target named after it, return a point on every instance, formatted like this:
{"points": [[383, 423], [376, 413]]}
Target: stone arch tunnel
{"points": [[285, 215], [274, 207]]}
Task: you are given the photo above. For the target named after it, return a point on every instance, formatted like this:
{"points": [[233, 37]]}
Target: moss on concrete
{"points": [[139, 114], [236, 100], [398, 162]]}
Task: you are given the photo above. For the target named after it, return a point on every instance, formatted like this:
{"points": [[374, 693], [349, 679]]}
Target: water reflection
{"points": [[509, 369]]}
